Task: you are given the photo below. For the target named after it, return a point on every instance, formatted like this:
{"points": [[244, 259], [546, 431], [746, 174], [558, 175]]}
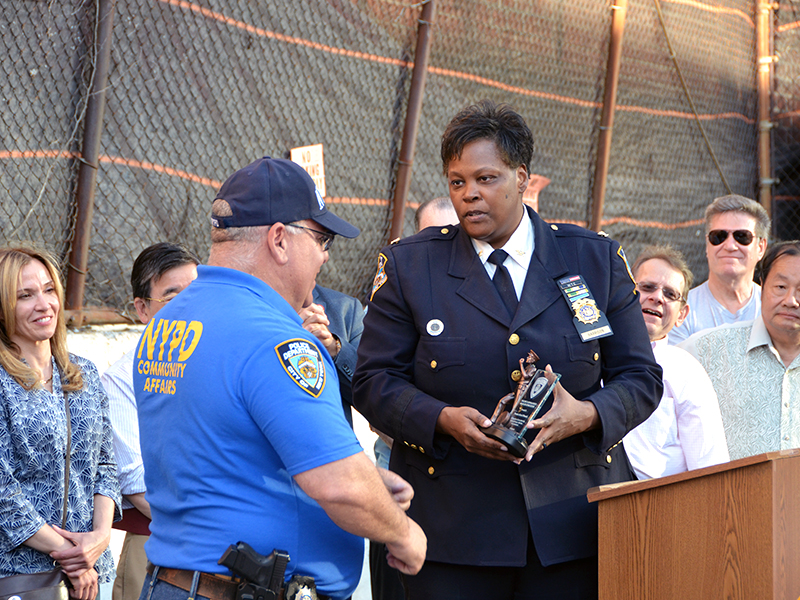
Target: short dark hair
{"points": [[487, 120], [673, 258], [791, 248], [156, 260]]}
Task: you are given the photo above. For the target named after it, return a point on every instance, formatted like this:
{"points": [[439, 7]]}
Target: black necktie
{"points": [[502, 281]]}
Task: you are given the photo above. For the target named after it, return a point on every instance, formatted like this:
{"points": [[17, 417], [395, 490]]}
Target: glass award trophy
{"points": [[515, 411]]}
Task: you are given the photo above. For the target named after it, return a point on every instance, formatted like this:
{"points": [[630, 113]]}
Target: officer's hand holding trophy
{"points": [[514, 414]]}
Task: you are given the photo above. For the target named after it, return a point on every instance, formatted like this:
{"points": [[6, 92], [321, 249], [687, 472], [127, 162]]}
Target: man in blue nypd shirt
{"points": [[242, 432], [453, 311]]}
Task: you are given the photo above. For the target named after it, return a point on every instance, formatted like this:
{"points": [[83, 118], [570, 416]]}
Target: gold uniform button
{"points": [[596, 356], [445, 230], [516, 375], [430, 470], [514, 339], [422, 450], [405, 442], [554, 227], [433, 364], [413, 446], [608, 459]]}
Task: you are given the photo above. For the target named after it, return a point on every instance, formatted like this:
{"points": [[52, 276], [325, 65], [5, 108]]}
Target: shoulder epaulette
{"points": [[431, 233], [571, 230]]}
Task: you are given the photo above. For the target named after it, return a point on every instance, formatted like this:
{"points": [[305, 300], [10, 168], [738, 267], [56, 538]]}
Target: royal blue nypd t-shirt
{"points": [[235, 398]]}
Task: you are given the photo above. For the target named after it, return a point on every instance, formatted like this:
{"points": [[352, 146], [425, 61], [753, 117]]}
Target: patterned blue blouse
{"points": [[33, 442]]}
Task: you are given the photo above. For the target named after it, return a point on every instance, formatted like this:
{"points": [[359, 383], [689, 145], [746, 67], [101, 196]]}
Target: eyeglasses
{"points": [[163, 300], [742, 236], [324, 238], [650, 288]]}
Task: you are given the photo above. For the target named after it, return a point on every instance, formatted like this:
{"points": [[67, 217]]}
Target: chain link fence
{"points": [[45, 70], [198, 89]]}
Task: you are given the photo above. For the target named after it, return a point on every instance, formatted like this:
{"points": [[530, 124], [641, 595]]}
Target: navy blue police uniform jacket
{"points": [[475, 510]]}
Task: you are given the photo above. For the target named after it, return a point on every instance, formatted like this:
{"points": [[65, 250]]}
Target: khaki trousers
{"points": [[132, 568]]}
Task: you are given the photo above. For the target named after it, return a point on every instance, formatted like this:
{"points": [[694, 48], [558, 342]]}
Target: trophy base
{"points": [[515, 446]]}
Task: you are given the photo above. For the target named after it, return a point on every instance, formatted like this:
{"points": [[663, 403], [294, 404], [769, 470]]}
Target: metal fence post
{"points": [[763, 82], [415, 98], [87, 173], [619, 10]]}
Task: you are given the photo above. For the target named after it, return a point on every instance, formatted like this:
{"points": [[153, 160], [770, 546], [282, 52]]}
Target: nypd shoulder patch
{"points": [[303, 362], [621, 254], [380, 276]]}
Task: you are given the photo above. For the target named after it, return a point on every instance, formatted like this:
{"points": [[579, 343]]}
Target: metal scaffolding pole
{"points": [[413, 112], [619, 10], [87, 173], [763, 83]]}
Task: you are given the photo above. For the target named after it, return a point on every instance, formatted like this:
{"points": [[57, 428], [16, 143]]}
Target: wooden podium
{"points": [[730, 531]]}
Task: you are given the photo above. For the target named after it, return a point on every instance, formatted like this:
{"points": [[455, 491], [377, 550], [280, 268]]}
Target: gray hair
{"points": [[736, 203], [221, 208]]}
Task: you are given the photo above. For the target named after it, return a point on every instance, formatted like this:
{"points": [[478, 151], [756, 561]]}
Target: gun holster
{"points": [[262, 576]]}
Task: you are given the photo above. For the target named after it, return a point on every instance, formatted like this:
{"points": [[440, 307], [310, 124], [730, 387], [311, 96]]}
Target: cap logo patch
{"points": [[303, 362], [380, 276], [320, 199]]}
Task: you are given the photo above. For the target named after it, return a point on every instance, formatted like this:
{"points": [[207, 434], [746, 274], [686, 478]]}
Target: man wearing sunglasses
{"points": [[736, 239], [243, 435], [685, 432]]}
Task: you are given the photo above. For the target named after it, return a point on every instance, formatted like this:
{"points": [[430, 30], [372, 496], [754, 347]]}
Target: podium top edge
{"points": [[613, 490]]}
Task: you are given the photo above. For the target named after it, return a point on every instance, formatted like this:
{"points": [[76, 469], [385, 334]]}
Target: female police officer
{"points": [[441, 345]]}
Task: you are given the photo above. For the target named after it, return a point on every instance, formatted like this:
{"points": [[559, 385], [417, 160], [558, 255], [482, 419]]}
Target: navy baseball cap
{"points": [[275, 190]]}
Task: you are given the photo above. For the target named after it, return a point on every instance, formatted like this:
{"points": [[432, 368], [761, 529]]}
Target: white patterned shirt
{"points": [[758, 396], [118, 383], [685, 432]]}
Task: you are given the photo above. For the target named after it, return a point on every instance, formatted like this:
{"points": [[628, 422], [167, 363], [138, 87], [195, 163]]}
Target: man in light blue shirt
{"points": [[736, 239]]}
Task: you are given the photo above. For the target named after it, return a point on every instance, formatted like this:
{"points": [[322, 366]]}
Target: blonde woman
{"points": [[53, 425]]}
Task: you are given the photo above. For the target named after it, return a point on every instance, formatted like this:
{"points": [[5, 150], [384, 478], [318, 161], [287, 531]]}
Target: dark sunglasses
{"points": [[742, 236]]}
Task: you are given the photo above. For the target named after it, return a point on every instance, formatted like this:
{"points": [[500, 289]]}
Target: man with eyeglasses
{"points": [[685, 432], [159, 273], [737, 229], [243, 435]]}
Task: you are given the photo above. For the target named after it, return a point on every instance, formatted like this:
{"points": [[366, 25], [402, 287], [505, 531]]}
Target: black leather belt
{"points": [[209, 585]]}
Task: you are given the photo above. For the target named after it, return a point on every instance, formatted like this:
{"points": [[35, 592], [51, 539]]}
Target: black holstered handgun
{"points": [[262, 575]]}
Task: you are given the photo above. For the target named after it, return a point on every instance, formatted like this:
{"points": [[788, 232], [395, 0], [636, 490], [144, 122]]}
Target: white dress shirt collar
{"points": [[759, 336], [519, 246]]}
